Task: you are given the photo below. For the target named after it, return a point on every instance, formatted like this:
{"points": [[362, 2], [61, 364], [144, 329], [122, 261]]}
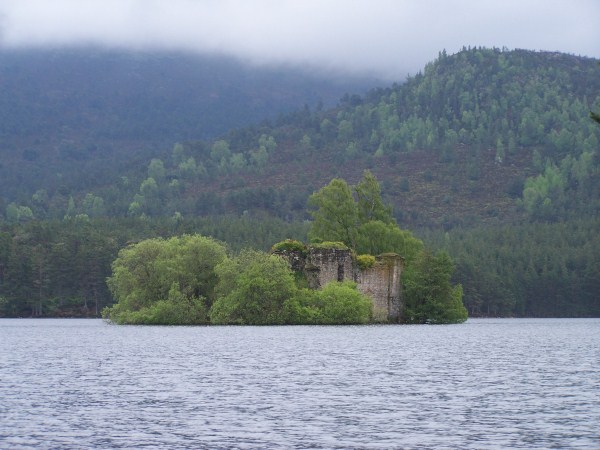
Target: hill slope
{"points": [[70, 116], [456, 145]]}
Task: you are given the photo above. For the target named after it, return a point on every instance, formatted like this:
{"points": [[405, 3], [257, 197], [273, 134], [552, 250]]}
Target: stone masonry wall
{"points": [[324, 265], [381, 282]]}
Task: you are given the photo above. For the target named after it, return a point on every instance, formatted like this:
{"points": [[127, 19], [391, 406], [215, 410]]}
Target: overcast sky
{"points": [[387, 37]]}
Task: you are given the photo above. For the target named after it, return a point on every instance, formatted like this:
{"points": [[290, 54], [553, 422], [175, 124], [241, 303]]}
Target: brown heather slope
{"points": [[424, 190]]}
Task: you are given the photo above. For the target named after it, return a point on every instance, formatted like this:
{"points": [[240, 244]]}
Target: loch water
{"points": [[484, 384]]}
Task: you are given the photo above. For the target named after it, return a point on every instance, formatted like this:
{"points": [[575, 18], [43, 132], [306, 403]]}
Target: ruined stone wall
{"points": [[324, 265], [381, 282]]}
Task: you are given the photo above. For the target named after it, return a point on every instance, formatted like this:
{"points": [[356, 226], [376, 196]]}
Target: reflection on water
{"points": [[485, 384]]}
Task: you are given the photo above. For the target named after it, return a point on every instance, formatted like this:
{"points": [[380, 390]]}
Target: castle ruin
{"points": [[381, 282]]}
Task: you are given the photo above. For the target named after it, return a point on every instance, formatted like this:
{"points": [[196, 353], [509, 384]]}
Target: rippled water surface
{"points": [[485, 384]]}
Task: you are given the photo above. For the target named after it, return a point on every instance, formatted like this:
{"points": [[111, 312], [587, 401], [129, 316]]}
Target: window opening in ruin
{"points": [[340, 272]]}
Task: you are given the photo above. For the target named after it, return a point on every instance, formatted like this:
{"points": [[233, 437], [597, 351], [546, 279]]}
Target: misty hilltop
{"points": [[385, 37], [77, 110]]}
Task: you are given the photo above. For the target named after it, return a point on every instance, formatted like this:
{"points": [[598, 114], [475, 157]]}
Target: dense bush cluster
{"points": [[189, 280]]}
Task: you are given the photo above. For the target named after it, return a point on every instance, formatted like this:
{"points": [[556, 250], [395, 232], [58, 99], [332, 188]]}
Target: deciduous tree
{"points": [[335, 214], [158, 270], [253, 290]]}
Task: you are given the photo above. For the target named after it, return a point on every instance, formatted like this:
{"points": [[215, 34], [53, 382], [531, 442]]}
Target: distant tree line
{"points": [[529, 270], [59, 268]]}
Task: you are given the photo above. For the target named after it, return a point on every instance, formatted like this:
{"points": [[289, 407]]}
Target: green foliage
{"points": [[177, 309], [135, 209], [268, 143], [531, 269], [429, 295], [178, 153], [375, 237], [149, 187], [220, 151], [289, 245], [188, 168], [93, 205], [365, 261], [253, 290], [156, 170], [237, 162], [365, 225], [55, 268], [179, 268], [369, 202], [335, 214], [259, 158], [539, 191], [560, 191], [338, 303], [18, 214]]}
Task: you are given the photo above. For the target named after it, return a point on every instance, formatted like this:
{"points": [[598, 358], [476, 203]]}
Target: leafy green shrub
{"points": [[289, 245], [176, 310], [164, 281], [365, 261], [342, 303], [338, 303], [428, 293], [253, 289]]}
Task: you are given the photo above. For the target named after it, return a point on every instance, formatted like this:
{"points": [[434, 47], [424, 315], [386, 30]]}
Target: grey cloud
{"points": [[386, 37]]}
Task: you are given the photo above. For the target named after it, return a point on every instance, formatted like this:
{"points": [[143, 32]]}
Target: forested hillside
{"points": [[454, 145], [70, 119], [490, 155]]}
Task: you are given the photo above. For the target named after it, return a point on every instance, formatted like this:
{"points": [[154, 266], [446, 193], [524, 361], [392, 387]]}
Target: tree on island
{"points": [[158, 281], [429, 295], [254, 289], [366, 225]]}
